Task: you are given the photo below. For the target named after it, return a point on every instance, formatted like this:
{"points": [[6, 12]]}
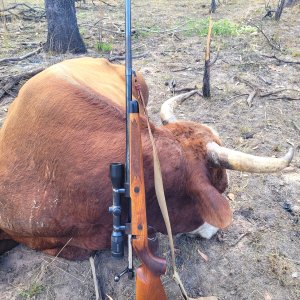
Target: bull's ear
{"points": [[212, 206]]}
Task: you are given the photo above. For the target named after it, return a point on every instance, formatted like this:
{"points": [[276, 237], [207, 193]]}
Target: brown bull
{"points": [[61, 133]]}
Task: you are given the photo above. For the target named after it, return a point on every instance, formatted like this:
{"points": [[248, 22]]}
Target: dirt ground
{"points": [[258, 256]]}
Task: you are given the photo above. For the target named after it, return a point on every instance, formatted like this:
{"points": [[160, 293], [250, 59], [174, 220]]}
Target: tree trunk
{"points": [[63, 34], [213, 6], [279, 10], [206, 75], [291, 2]]}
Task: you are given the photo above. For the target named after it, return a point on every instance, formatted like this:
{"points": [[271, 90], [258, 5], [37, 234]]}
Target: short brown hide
{"points": [[60, 135]]}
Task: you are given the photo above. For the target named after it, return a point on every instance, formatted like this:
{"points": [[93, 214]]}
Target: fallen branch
{"points": [[29, 14], [92, 262], [236, 96], [108, 4], [285, 98], [251, 97], [282, 60], [276, 47], [239, 239], [264, 80], [13, 59], [296, 126], [180, 70], [122, 57], [276, 92], [15, 6], [11, 81], [247, 82]]}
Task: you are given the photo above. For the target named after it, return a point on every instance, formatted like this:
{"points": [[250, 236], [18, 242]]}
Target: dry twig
{"points": [[122, 57], [19, 58], [274, 46], [108, 4], [282, 60], [92, 262], [29, 15], [276, 92], [10, 81], [251, 97], [15, 6]]}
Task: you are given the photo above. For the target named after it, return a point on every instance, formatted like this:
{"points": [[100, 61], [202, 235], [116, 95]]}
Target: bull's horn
{"points": [[235, 160], [167, 109]]}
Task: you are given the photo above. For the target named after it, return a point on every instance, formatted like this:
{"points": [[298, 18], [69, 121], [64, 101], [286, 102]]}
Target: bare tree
{"points": [[281, 5], [213, 6], [291, 2], [63, 34], [207, 64], [279, 10]]}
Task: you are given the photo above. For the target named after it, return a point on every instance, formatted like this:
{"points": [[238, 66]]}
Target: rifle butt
{"points": [[148, 285]]}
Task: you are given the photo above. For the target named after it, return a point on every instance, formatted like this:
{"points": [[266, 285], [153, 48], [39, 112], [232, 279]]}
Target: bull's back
{"points": [[101, 76]]}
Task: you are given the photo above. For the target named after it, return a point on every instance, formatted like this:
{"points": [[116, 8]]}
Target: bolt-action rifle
{"points": [[128, 183]]}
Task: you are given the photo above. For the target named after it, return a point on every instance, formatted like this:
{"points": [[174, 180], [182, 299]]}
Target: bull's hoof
{"points": [[70, 253]]}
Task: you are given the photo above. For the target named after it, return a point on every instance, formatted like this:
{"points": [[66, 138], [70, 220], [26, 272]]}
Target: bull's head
{"points": [[206, 164]]}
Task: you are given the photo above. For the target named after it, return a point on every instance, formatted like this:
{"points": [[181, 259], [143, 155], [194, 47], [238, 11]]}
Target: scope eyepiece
{"points": [[117, 244]]}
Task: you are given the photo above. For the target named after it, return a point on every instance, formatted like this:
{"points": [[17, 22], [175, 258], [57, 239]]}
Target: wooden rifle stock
{"points": [[148, 282]]}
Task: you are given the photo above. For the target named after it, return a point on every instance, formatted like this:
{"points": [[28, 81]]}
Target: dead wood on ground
{"points": [[106, 3], [122, 57], [272, 44], [19, 58], [282, 60], [258, 92], [251, 97], [23, 11], [270, 93], [7, 83]]}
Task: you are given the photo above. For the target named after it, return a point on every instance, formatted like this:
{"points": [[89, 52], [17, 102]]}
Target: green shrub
{"points": [[104, 47], [32, 291]]}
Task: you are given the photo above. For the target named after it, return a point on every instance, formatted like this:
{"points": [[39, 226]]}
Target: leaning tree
{"points": [[281, 5], [63, 34], [213, 6]]}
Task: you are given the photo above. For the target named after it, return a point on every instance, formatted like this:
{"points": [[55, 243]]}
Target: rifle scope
{"points": [[117, 236]]}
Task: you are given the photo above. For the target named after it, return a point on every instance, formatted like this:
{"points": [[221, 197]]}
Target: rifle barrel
{"points": [[128, 67]]}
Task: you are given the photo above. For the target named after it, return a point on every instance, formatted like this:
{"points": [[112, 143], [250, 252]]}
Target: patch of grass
{"points": [[142, 31], [104, 47], [222, 27], [34, 290]]}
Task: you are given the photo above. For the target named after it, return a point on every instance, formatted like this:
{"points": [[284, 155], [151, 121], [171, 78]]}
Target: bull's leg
{"points": [[70, 253], [6, 243]]}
